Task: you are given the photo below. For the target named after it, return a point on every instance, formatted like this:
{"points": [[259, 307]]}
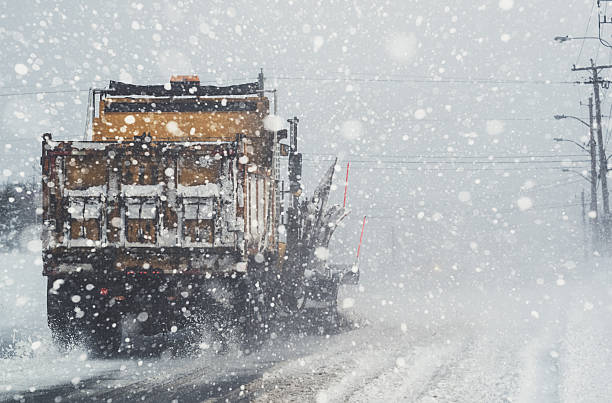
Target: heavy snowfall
{"points": [[472, 156]]}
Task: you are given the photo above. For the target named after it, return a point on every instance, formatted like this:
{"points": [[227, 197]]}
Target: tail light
{"points": [[133, 272]]}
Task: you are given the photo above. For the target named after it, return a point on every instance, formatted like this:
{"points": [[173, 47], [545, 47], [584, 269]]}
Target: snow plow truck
{"points": [[182, 204]]}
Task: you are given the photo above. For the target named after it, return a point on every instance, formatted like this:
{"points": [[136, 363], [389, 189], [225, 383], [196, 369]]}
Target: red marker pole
{"points": [[361, 237], [346, 184]]}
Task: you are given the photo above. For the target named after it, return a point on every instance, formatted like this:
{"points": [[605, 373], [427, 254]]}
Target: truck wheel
{"points": [[294, 298], [105, 335], [251, 312], [60, 314]]}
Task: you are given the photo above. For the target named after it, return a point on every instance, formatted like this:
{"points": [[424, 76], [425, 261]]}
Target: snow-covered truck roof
{"points": [[182, 110]]}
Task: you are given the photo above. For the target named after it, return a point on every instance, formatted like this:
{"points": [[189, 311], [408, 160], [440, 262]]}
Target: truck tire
{"points": [[86, 321], [251, 313], [60, 316], [104, 338], [293, 296]]}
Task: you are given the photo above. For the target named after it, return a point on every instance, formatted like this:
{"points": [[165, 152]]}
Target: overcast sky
{"points": [[370, 81]]}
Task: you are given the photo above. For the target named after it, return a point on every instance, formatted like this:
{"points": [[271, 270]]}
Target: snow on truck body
{"points": [[171, 183], [172, 212]]}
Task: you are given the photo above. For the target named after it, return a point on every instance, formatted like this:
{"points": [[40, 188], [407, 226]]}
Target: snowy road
{"points": [[545, 341], [419, 365], [557, 350]]}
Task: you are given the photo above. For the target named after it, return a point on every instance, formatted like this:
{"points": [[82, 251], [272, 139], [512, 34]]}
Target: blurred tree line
{"points": [[18, 204]]}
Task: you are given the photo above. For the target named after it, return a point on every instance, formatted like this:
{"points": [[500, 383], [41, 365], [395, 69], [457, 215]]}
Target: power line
{"points": [[485, 214], [430, 162], [461, 169], [485, 156], [608, 125], [16, 92], [552, 185], [544, 207], [585, 33], [13, 94], [456, 120], [403, 79], [424, 81], [598, 45]]}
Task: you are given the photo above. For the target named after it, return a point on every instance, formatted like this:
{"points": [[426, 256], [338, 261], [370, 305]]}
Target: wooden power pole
{"points": [[584, 228], [593, 213], [603, 163]]}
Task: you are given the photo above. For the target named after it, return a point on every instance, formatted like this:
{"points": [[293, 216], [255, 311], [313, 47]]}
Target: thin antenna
{"points": [[89, 117], [260, 80], [601, 22], [346, 185], [361, 237]]}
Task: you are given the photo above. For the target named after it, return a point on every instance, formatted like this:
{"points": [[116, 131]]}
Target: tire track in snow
{"points": [[363, 371], [483, 372], [477, 367], [501, 368], [447, 371], [585, 356], [346, 359], [347, 371], [540, 378], [409, 376], [341, 365]]}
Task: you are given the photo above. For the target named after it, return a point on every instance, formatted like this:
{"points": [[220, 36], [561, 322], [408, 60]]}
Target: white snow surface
{"points": [[207, 190], [28, 358], [468, 344], [462, 343], [92, 191], [88, 145], [142, 190]]}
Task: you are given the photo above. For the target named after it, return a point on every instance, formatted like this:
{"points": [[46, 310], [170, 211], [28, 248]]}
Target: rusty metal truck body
{"points": [[170, 212]]}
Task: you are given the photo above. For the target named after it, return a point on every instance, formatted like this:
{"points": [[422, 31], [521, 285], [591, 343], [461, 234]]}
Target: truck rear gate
{"points": [[173, 211]]}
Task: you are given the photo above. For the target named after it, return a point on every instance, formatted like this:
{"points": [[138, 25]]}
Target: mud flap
{"points": [[60, 316], [258, 304], [104, 338]]}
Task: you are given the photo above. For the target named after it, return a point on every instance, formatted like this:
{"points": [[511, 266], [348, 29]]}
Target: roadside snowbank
{"points": [[540, 336], [28, 359], [22, 299]]}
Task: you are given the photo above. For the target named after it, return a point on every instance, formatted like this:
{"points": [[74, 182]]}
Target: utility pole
{"points": [[603, 164], [584, 230], [393, 247], [593, 213], [295, 188]]}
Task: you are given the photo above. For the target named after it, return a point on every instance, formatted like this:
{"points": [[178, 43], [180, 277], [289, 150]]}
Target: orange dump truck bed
{"points": [[176, 179]]}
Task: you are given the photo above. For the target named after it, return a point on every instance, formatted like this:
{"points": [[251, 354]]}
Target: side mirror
{"points": [[281, 134]]}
